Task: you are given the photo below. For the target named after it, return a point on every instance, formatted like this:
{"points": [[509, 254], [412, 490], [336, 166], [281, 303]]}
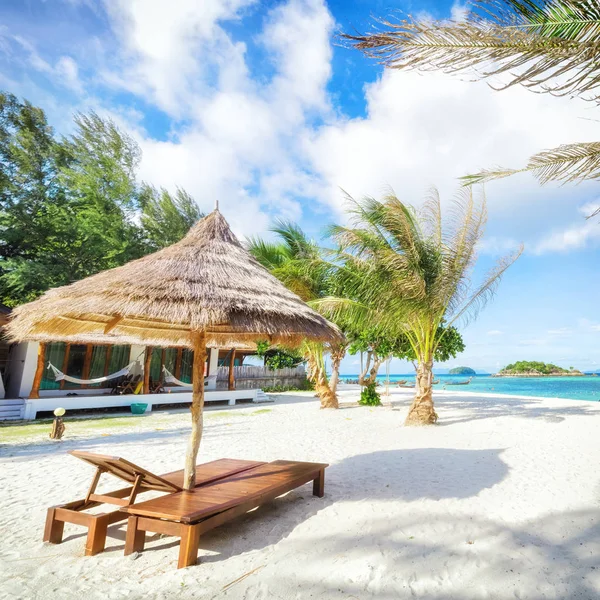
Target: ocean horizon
{"points": [[586, 387]]}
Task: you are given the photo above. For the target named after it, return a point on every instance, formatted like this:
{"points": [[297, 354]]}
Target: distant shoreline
{"points": [[540, 375]]}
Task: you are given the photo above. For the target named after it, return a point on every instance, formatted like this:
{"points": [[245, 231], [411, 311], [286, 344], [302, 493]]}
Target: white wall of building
{"points": [[20, 370]]}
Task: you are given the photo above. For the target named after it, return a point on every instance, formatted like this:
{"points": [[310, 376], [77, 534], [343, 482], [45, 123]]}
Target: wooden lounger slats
{"points": [[189, 514], [143, 481], [189, 507], [123, 469]]}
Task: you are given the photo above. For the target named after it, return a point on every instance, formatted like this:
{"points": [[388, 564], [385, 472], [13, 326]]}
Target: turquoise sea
{"points": [[575, 388]]}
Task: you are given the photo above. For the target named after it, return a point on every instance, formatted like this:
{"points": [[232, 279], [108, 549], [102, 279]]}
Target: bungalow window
{"points": [[177, 361], [84, 361]]}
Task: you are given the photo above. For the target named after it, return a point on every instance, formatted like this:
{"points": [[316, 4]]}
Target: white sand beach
{"points": [[500, 500]]}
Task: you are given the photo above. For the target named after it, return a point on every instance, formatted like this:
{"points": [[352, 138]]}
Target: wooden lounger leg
{"points": [[96, 537], [135, 538], [53, 532], [319, 484], [188, 547]]}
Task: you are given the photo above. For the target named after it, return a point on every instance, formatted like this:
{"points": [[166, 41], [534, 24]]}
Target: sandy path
{"points": [[501, 500]]}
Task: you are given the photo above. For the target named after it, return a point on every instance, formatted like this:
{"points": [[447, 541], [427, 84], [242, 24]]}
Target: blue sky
{"points": [[254, 104]]}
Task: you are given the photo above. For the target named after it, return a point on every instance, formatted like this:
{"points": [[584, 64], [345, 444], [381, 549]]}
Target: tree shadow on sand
{"points": [[477, 408], [417, 473], [554, 556], [96, 442]]}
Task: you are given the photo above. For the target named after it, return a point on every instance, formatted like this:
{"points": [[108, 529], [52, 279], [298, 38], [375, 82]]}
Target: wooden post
{"points": [[231, 385], [199, 342], [65, 364], [39, 372], [147, 360], [178, 363]]}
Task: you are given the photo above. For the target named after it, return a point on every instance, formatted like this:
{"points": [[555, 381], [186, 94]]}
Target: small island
{"points": [[462, 371], [532, 368]]}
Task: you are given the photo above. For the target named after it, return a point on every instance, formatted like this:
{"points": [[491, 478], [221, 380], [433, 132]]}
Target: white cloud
{"points": [[562, 331], [67, 70], [459, 11], [533, 342], [495, 245], [575, 237], [495, 332], [240, 145], [589, 208], [170, 50], [431, 129]]}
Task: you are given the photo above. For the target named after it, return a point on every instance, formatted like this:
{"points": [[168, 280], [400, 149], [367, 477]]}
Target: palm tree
{"points": [[297, 262], [408, 276], [545, 45]]}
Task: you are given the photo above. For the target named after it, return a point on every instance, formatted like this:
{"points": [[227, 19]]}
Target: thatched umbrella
{"points": [[204, 290]]}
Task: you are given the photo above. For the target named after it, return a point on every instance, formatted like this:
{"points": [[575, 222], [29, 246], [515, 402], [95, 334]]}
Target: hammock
{"points": [[60, 376], [170, 378]]}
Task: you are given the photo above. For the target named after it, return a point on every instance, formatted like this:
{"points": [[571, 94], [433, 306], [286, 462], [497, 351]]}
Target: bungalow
{"points": [[32, 388]]}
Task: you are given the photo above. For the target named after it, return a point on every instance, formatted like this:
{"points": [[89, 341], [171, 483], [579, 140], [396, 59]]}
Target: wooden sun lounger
{"points": [[189, 514], [140, 480]]}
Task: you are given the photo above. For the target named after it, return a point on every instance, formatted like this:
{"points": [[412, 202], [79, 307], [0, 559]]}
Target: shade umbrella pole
{"points": [[199, 342]]}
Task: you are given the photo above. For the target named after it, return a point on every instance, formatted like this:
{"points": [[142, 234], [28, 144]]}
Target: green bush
{"points": [[369, 396]]}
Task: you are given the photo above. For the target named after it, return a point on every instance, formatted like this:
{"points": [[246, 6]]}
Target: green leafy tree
{"points": [[99, 181], [548, 46], [166, 218], [278, 358], [36, 221], [410, 277], [71, 207], [379, 346]]}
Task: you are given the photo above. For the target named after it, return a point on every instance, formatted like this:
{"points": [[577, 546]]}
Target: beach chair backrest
{"points": [[127, 471]]}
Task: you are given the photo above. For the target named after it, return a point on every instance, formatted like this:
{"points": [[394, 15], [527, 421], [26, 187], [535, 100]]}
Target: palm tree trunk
{"points": [[337, 354], [422, 411], [317, 374], [363, 373]]}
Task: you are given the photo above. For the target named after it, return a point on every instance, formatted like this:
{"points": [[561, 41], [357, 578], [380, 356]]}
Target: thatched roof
{"points": [[207, 281]]}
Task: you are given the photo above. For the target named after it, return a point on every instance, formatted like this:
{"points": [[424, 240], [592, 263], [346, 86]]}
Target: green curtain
{"points": [[171, 359], [119, 358], [97, 364], [75, 364], [55, 353], [187, 360], [156, 363]]}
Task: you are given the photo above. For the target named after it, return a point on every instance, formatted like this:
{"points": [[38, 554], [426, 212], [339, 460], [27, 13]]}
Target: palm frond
{"points": [[577, 20], [485, 291], [268, 254], [568, 163], [549, 46], [294, 238]]}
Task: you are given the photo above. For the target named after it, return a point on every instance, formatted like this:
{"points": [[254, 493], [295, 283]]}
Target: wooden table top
{"points": [[270, 479]]}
